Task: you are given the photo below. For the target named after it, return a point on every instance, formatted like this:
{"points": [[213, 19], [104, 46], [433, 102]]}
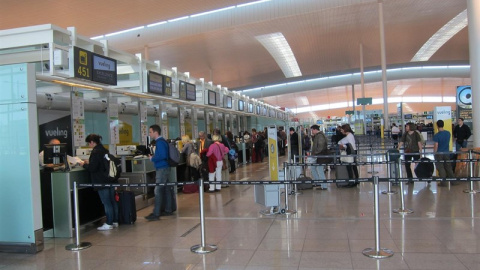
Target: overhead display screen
{"points": [[258, 109], [250, 107], [240, 105], [264, 112], [191, 93], [167, 85], [155, 83], [227, 102], [212, 98], [182, 90], [104, 69], [82, 63]]}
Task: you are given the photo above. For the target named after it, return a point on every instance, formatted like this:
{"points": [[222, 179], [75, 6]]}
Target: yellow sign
{"points": [[272, 153], [125, 132]]}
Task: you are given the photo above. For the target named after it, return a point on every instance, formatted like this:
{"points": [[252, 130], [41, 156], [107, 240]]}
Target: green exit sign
{"points": [[349, 112], [364, 101]]}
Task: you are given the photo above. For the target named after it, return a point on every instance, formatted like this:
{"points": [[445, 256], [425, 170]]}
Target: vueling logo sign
{"points": [[56, 133]]}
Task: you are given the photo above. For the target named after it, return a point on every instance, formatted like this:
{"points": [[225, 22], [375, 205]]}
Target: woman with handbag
{"points": [[232, 155], [348, 145], [216, 151]]}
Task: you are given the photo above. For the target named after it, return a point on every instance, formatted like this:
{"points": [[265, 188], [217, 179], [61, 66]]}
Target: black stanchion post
{"points": [[377, 252], [402, 210], [202, 248], [77, 245], [286, 211], [470, 170], [389, 191]]}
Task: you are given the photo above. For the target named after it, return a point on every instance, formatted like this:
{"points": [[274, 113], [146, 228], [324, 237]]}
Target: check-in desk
{"points": [[90, 206], [139, 171]]}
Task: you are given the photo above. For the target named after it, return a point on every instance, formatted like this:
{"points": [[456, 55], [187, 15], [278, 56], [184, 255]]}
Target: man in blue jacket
{"points": [[160, 160]]}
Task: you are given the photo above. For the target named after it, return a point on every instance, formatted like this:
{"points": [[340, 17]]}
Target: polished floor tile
{"points": [[330, 230]]}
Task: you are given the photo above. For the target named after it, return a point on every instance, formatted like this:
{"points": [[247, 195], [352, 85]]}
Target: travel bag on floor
{"points": [[127, 211], [341, 172], [424, 169]]}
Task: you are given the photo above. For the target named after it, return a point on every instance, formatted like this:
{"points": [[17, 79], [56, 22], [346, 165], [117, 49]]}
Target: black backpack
{"points": [[173, 154], [113, 168]]}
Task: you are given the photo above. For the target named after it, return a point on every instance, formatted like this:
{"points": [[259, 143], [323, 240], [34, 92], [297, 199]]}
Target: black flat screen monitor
{"points": [[407, 116], [429, 117], [250, 107], [240, 105], [155, 83], [212, 98], [54, 153], [227, 102], [191, 92], [104, 69]]}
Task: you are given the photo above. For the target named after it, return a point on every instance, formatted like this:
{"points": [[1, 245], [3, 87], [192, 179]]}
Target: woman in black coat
{"points": [[99, 175]]}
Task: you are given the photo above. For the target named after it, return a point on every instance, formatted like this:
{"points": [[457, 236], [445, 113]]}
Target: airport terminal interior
{"points": [[115, 68], [329, 230]]}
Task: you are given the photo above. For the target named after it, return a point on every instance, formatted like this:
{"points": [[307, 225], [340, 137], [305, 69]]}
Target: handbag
{"points": [[345, 158], [325, 160], [225, 163]]}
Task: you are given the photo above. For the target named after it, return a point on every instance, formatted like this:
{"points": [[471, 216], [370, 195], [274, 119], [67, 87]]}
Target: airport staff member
{"points": [[95, 166], [160, 160]]}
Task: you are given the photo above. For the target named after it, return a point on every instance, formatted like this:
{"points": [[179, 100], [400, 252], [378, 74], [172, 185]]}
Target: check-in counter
{"points": [[90, 206], [139, 171]]}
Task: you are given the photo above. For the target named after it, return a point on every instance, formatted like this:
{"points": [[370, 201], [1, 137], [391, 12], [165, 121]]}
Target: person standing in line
{"points": [[160, 160], [203, 142], [294, 149], [413, 147], [395, 132], [461, 133], [442, 144], [233, 146], [319, 143], [216, 151], [99, 175], [348, 143]]}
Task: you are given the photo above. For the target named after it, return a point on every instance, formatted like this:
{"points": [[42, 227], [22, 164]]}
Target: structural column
{"points": [[473, 12], [384, 64]]}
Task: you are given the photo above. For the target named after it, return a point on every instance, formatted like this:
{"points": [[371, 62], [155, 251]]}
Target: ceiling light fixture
{"points": [[211, 11], [278, 47], [253, 3], [125, 31], [443, 35]]}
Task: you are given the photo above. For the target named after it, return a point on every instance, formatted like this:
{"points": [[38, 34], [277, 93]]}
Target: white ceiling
{"points": [[325, 36]]}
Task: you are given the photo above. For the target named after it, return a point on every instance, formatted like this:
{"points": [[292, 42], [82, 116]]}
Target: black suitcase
{"points": [[127, 211], [304, 186], [341, 172], [424, 169]]}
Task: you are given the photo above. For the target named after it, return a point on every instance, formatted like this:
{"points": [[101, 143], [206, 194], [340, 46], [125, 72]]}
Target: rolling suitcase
{"points": [[304, 186], [341, 172], [127, 211]]}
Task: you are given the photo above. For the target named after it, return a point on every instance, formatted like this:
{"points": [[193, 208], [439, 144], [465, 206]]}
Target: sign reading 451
{"points": [[82, 63]]}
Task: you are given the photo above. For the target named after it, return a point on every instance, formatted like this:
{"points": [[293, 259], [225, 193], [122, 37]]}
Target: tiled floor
{"points": [[329, 231]]}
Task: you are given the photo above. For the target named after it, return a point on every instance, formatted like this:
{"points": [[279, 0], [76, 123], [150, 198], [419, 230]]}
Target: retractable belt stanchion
{"points": [[402, 210], [77, 245], [372, 171], [286, 211], [389, 191], [470, 169], [294, 186], [202, 248], [377, 252]]}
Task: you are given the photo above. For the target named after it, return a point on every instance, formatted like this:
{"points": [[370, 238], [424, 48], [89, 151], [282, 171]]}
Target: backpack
{"points": [[307, 143], [173, 154], [113, 167]]}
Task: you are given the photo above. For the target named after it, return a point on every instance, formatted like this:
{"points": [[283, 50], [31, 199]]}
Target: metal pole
{"points": [[286, 211], [77, 245], [377, 253], [470, 168], [384, 64], [202, 248], [295, 188], [389, 172], [402, 210]]}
